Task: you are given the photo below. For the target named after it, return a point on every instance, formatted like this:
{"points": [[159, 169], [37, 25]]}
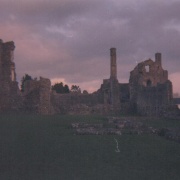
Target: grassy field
{"points": [[45, 148]]}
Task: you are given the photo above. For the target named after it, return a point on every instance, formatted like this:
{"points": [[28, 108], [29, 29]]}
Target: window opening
{"points": [[149, 83], [147, 68]]}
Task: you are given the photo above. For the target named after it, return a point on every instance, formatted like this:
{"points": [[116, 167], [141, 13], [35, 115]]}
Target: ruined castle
{"points": [[9, 91], [149, 92]]}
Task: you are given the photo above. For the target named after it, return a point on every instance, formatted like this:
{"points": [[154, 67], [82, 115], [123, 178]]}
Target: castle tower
{"points": [[113, 67], [9, 90]]}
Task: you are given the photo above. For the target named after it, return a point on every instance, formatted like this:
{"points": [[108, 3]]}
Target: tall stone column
{"points": [[113, 67], [114, 85], [158, 58]]}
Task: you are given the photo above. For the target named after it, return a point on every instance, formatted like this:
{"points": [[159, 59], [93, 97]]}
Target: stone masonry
{"points": [[150, 89], [36, 96], [9, 92], [149, 92]]}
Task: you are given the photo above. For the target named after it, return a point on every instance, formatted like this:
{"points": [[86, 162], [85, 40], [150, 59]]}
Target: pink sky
{"points": [[69, 40]]}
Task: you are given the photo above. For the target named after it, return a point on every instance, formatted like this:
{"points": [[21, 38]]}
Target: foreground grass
{"points": [[45, 148]]}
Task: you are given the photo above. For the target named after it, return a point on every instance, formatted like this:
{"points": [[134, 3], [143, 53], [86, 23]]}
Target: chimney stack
{"points": [[158, 58], [113, 67]]}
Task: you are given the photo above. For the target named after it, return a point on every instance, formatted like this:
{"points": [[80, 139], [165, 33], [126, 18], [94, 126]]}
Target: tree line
{"points": [[57, 87]]}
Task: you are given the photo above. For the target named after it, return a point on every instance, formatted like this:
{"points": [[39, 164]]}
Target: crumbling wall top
{"points": [[9, 46], [149, 73], [31, 85]]}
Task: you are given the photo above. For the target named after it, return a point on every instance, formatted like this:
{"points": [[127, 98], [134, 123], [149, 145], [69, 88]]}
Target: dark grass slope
{"points": [[45, 148]]}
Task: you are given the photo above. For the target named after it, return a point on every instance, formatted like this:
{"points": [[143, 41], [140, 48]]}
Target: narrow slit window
{"points": [[12, 75]]}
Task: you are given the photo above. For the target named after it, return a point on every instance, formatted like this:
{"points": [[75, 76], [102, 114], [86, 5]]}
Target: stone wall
{"points": [[149, 92], [154, 100], [124, 92], [110, 95], [73, 103], [10, 98], [37, 96], [150, 89], [109, 91]]}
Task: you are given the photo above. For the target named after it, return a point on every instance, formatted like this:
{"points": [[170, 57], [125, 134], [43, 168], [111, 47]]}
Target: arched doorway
{"points": [[149, 83]]}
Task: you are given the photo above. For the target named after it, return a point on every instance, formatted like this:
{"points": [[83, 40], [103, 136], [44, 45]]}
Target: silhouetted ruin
{"points": [[9, 92], [149, 92]]}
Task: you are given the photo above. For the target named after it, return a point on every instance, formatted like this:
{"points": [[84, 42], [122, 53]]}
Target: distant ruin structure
{"points": [[37, 96], [110, 87], [9, 91], [149, 91]]}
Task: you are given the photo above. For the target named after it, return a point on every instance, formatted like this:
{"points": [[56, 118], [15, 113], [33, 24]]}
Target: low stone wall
{"points": [[125, 125], [94, 129], [114, 127], [73, 103]]}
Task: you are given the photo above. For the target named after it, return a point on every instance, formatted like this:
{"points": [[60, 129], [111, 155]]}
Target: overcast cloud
{"points": [[69, 40]]}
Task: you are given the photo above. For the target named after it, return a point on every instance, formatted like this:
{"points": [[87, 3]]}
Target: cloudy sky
{"points": [[69, 40]]}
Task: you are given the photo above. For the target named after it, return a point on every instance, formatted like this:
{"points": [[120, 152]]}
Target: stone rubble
{"points": [[114, 127], [125, 125]]}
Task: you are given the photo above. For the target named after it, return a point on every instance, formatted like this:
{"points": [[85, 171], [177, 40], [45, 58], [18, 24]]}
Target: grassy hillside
{"points": [[45, 148]]}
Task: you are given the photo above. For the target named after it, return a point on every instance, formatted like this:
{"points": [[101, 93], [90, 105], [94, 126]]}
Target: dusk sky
{"points": [[69, 40]]}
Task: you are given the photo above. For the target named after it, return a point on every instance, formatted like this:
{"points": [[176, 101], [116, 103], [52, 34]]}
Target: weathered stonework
{"points": [[77, 103], [149, 92], [110, 90], [9, 91], [150, 89], [36, 96]]}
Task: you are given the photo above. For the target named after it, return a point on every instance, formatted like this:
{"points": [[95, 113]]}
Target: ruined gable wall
{"points": [[149, 70], [150, 89], [147, 73]]}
